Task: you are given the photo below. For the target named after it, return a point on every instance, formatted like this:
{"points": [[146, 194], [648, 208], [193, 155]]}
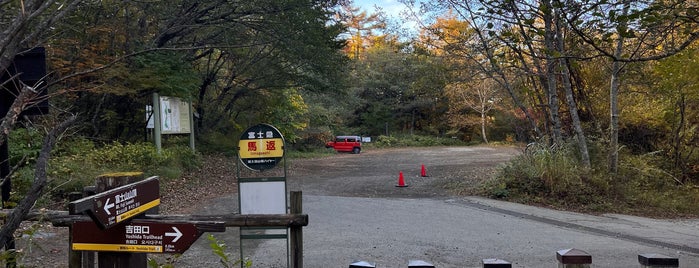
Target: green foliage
{"points": [[24, 144], [288, 113], [7, 256], [219, 249], [413, 141], [554, 177], [166, 72], [542, 173], [398, 90], [169, 262], [78, 161]]}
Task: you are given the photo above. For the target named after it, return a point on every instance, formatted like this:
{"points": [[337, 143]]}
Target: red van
{"points": [[351, 144]]}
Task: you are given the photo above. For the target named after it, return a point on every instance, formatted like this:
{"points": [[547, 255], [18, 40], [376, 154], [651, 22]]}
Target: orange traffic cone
{"points": [[401, 180], [423, 172]]}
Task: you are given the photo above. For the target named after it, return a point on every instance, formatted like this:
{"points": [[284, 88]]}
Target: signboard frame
{"points": [[159, 120]]}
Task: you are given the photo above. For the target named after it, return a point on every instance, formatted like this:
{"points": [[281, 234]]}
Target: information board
{"points": [[174, 115]]}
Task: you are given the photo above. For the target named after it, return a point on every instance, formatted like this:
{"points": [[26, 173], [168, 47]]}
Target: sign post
{"points": [[118, 231], [261, 148], [141, 236], [172, 115], [119, 204]]}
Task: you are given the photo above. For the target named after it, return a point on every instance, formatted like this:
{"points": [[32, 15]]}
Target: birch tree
{"points": [[631, 31]]}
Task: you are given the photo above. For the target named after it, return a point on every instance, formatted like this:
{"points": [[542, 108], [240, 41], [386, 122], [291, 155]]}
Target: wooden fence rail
{"points": [[61, 218]]}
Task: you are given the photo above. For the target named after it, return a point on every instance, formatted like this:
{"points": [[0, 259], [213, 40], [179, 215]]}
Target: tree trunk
{"points": [[498, 75], [678, 133], [552, 86], [614, 116], [614, 101], [483, 117], [570, 99]]}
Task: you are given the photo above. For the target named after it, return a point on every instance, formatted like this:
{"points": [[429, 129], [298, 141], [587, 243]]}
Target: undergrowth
{"points": [[413, 141], [555, 177], [76, 162]]}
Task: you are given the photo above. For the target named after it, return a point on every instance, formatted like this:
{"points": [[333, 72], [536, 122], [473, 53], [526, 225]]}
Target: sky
{"points": [[391, 7]]}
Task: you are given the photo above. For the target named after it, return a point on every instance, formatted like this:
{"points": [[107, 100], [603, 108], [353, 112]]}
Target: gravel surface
{"points": [[357, 213], [373, 173]]}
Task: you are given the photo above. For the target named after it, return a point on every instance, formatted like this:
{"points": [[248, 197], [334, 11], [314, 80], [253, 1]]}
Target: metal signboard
{"points": [[261, 147], [119, 204], [174, 115], [263, 197], [140, 236]]}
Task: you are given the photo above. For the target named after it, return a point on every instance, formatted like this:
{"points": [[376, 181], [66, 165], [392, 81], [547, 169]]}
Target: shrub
{"points": [[78, 161], [554, 177], [413, 141]]}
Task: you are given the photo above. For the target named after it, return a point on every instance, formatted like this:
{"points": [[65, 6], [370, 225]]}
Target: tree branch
{"points": [[25, 205]]}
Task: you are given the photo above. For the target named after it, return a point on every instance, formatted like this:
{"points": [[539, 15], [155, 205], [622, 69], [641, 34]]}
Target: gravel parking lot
{"points": [[357, 213]]}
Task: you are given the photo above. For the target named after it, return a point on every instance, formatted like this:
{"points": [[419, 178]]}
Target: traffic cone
{"points": [[401, 180], [423, 172]]}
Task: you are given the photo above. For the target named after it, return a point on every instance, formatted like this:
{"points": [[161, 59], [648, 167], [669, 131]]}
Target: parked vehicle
{"points": [[352, 144]]}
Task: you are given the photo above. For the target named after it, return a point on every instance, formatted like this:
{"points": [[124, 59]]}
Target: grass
{"points": [[555, 178]]}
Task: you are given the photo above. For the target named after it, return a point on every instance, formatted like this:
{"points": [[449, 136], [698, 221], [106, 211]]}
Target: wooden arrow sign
{"points": [[144, 236], [119, 204]]}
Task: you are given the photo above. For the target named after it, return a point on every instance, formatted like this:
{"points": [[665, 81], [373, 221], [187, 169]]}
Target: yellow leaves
{"points": [[445, 32]]}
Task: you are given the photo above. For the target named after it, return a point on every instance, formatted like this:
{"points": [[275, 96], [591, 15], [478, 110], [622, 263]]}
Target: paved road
{"points": [[389, 226]]}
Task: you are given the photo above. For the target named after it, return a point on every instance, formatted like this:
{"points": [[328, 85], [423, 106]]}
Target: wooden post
{"points": [[296, 233], [89, 257], [157, 127], [657, 260], [77, 259], [118, 259], [573, 258], [419, 264], [496, 263]]}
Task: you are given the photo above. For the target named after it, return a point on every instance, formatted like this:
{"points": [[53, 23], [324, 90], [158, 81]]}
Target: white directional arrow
{"points": [[177, 234], [107, 206]]}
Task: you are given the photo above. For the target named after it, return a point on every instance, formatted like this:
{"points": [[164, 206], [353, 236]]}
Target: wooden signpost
{"points": [[119, 204], [145, 236], [122, 233], [121, 239]]}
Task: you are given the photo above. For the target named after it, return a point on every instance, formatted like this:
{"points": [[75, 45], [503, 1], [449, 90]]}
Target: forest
{"points": [[612, 83]]}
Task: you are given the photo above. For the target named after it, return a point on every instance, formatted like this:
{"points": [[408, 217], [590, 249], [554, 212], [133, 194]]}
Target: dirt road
{"points": [[357, 213], [374, 173]]}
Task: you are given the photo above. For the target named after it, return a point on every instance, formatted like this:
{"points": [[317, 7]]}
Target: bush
{"points": [[24, 145], [414, 141], [554, 177], [77, 162]]}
